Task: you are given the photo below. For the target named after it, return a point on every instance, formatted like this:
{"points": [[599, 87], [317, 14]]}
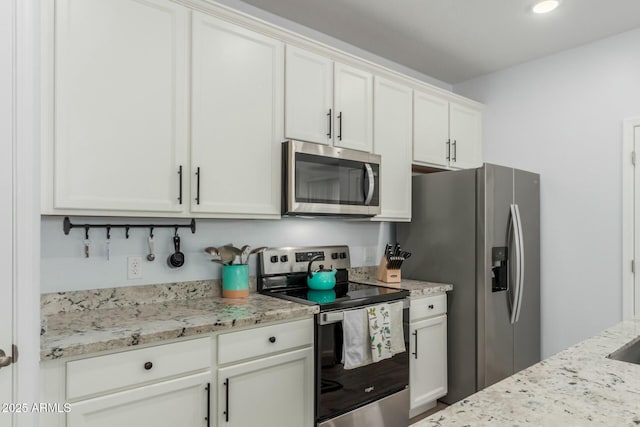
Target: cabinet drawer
{"points": [[105, 373], [236, 346], [427, 306]]}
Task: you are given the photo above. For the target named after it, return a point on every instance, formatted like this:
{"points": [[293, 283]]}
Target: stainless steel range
{"points": [[375, 395]]}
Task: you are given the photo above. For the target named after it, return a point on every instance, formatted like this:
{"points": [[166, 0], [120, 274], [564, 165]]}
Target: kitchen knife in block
{"points": [[386, 274]]}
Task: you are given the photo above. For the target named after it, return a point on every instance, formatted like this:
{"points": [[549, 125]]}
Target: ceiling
{"points": [[455, 40]]}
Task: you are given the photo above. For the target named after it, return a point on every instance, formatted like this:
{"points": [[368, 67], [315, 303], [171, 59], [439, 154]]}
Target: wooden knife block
{"points": [[386, 275]]}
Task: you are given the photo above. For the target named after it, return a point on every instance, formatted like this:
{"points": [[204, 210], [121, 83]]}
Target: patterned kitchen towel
{"points": [[397, 333], [380, 332]]}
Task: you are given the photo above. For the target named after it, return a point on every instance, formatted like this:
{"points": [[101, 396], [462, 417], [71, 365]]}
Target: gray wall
{"points": [[562, 116], [64, 266]]}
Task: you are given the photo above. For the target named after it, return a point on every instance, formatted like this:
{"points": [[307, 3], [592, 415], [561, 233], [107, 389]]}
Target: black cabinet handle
{"points": [[272, 339], [448, 144], [148, 366], [430, 306], [226, 398], [415, 336], [329, 115], [198, 185], [455, 151], [180, 184], [208, 417], [340, 126]]}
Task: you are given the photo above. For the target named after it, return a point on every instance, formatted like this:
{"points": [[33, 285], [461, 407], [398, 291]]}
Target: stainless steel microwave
{"points": [[322, 180]]}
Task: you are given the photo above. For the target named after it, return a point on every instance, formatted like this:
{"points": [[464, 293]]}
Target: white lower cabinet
{"points": [[274, 391], [178, 402], [428, 353], [262, 376], [265, 376]]}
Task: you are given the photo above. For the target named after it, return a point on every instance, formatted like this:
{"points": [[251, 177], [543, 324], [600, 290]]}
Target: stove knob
{"points": [[334, 255], [274, 258], [343, 255], [284, 258]]}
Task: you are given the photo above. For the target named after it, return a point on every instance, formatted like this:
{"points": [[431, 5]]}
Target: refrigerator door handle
{"points": [[513, 230], [520, 260]]}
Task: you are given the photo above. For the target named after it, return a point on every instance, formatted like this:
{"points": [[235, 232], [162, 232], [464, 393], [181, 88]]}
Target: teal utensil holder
{"points": [[235, 281]]}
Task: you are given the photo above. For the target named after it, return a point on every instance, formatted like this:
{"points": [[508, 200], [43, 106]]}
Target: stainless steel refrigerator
{"points": [[479, 229]]}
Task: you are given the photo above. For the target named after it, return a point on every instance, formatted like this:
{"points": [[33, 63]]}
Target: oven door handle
{"points": [[331, 317], [338, 316]]}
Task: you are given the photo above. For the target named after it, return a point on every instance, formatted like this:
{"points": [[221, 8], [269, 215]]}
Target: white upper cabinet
{"points": [[430, 129], [392, 140], [308, 96], [353, 101], [465, 129], [328, 102], [237, 120], [446, 134], [120, 117]]}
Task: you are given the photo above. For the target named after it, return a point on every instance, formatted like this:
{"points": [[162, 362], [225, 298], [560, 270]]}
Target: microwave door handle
{"points": [[369, 189]]}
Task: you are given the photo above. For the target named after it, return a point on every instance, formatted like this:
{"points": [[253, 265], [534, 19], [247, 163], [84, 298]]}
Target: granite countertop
{"points": [[110, 321], [576, 387], [415, 287]]}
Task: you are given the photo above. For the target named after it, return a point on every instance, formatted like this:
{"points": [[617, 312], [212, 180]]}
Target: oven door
{"points": [[340, 390], [322, 180]]}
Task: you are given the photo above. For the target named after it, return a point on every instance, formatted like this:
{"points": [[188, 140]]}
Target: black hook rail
{"points": [[67, 226]]}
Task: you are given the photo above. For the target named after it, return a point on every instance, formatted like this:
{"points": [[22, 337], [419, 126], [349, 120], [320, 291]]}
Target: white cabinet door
{"points": [[430, 129], [179, 402], [272, 391], [120, 104], [353, 102], [392, 140], [428, 361], [308, 96], [237, 119], [465, 130]]}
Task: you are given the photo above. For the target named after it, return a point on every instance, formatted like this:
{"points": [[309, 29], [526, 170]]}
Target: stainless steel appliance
{"points": [[479, 229], [374, 395], [322, 180]]}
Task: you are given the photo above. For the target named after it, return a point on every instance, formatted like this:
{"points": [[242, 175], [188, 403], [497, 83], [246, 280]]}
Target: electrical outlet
{"points": [[134, 267]]}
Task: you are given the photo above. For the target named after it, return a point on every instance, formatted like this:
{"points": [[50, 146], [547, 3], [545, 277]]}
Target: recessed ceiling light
{"points": [[545, 6]]}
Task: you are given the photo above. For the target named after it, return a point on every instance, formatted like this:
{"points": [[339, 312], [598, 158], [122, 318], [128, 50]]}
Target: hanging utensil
{"points": [[151, 255], [108, 243], [176, 259], [87, 242]]}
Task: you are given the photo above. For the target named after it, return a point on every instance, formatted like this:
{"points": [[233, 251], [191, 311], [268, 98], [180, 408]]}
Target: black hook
{"points": [[176, 233], [151, 232], [86, 232], [108, 232], [126, 231]]}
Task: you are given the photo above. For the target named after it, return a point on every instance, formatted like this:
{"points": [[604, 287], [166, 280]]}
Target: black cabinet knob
{"points": [[430, 306], [148, 365], [272, 339]]}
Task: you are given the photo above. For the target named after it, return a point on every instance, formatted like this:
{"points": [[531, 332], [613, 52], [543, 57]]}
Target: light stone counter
{"points": [[84, 322], [576, 387], [367, 276]]}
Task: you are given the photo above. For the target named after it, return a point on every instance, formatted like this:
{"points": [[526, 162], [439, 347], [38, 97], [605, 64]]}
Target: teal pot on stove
{"points": [[321, 279]]}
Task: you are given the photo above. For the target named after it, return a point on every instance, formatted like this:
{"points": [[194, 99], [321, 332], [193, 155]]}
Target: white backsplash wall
{"points": [[65, 268]]}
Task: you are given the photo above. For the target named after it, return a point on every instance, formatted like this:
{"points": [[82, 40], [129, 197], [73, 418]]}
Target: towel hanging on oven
{"points": [[380, 331], [357, 349]]}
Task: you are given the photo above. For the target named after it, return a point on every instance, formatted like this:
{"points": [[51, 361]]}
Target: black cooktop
{"points": [[344, 295]]}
